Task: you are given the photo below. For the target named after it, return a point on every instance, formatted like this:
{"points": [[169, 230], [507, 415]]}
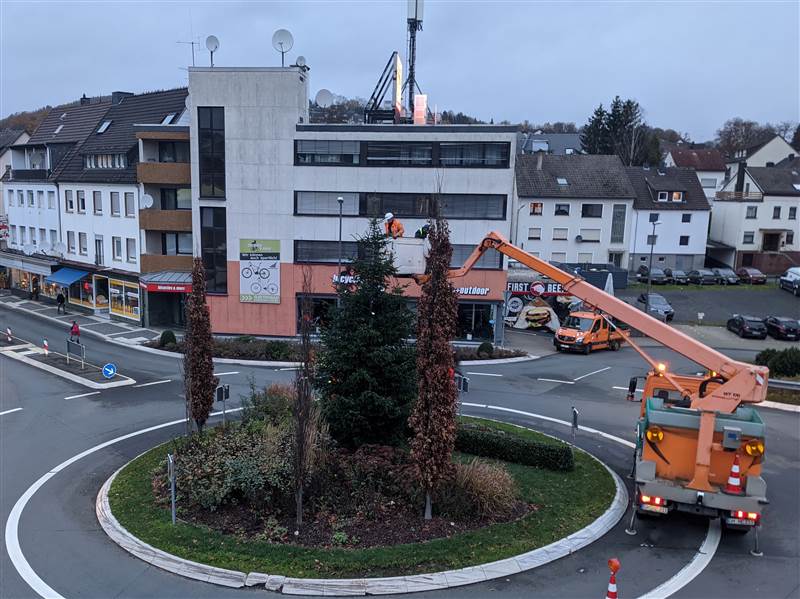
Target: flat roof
{"points": [[383, 128]]}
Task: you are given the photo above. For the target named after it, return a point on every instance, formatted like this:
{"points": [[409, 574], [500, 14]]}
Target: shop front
{"points": [[124, 298], [26, 276], [164, 298], [100, 293]]}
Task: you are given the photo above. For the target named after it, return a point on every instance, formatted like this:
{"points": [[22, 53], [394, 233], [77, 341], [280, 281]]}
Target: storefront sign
{"points": [[260, 271], [472, 290], [167, 287], [345, 278], [535, 288]]}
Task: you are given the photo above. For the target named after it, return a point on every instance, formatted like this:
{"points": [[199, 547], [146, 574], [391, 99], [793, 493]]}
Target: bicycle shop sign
{"points": [[260, 271]]}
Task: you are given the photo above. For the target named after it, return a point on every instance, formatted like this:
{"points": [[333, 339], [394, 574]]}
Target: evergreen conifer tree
{"points": [[593, 137]]}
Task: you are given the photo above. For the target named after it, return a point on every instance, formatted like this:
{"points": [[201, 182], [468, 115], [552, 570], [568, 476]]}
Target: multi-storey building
{"points": [[766, 153], [573, 208], [268, 190], [707, 163]]}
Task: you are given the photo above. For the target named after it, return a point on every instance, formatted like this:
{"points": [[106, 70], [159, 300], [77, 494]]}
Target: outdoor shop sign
{"points": [[260, 271], [535, 288], [167, 287], [472, 290]]}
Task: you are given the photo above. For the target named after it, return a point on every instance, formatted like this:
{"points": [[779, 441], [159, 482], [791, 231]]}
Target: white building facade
{"points": [[709, 166]]}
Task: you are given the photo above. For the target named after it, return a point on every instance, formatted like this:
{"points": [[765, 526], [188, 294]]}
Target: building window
{"points": [[792, 212], [452, 206], [81, 196], [124, 298], [492, 259], [475, 321], [116, 248], [585, 257], [211, 141], [591, 210], [535, 233], [749, 237], [776, 212], [53, 237], [93, 161], [130, 249], [708, 183], [684, 240], [20, 198], [306, 251], [560, 234], [752, 212], [114, 203], [97, 201], [686, 218], [30, 198], [399, 153], [14, 234], [33, 235], [558, 257], [176, 198], [663, 196], [173, 151], [98, 250], [51, 200], [677, 196], [10, 197], [214, 248], [590, 235], [473, 154], [651, 239], [129, 208], [176, 244], [82, 244], [618, 223], [70, 242], [536, 208], [789, 237], [339, 153], [326, 203], [561, 210], [40, 199], [22, 234]]}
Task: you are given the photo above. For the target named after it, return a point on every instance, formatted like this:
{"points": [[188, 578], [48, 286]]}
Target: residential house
{"points": [[708, 164], [766, 153], [673, 199], [574, 208], [8, 138], [755, 218], [559, 144]]}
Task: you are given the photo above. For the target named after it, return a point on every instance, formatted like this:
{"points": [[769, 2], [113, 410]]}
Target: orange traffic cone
{"points": [[734, 486], [613, 565]]}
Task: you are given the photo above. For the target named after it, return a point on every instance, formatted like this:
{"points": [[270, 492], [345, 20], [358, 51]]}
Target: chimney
{"points": [[117, 97], [539, 156], [770, 164], [84, 100], [740, 177], [790, 156]]}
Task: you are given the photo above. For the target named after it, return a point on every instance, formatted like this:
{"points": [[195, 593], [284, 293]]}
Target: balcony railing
{"points": [[29, 174], [153, 219], [174, 173], [740, 196]]}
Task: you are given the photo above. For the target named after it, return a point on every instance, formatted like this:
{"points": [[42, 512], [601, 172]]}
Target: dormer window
{"points": [[104, 126], [168, 118], [663, 196], [677, 196], [561, 181], [93, 161]]}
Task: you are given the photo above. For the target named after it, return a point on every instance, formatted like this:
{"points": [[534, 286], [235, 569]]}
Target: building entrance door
{"points": [[772, 242], [101, 294], [615, 258]]}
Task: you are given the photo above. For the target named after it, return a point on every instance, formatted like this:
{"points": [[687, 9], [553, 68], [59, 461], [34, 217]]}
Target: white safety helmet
{"points": [[389, 216]]}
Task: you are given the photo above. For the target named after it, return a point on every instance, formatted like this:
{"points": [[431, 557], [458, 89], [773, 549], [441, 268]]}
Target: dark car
{"points": [[726, 276], [747, 326], [679, 277], [656, 278], [702, 277], [790, 281], [659, 306], [753, 276], [781, 327]]}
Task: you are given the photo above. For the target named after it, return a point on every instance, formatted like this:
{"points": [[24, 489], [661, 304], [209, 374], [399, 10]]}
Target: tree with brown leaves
{"points": [[433, 419]]}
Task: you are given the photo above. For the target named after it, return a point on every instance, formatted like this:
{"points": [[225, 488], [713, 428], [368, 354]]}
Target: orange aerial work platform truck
{"points": [[700, 445]]}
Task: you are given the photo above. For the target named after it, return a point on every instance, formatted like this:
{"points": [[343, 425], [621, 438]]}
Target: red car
{"points": [[753, 276]]}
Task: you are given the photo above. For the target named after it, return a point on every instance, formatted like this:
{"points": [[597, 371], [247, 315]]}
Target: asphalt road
{"points": [[64, 545]]}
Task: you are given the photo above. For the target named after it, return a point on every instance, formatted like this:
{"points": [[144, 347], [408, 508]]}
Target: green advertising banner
{"points": [[260, 271]]}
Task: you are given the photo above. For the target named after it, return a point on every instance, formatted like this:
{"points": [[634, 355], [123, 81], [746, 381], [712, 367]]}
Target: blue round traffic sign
{"points": [[110, 370]]}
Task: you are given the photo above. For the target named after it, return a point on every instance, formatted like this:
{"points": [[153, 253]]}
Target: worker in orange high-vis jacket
{"points": [[393, 227]]}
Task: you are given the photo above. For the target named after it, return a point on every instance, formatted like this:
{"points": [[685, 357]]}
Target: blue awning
{"points": [[66, 276]]}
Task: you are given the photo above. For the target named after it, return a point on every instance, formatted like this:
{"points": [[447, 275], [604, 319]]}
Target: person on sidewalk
{"points": [[393, 227], [75, 332], [62, 303]]}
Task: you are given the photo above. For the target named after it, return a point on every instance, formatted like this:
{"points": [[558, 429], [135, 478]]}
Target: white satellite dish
{"points": [[282, 41], [212, 45], [301, 61], [28, 248], [188, 102], [146, 201], [324, 98]]}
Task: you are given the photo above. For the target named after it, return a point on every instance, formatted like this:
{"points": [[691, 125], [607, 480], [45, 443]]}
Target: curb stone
{"points": [[364, 586], [776, 405]]}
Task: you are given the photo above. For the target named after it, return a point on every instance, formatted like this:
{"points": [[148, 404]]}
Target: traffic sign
{"points": [[110, 370]]}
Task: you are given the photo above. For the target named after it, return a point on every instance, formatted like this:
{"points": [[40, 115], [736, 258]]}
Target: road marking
{"points": [[83, 395], [484, 374], [557, 381], [154, 383], [294, 368], [225, 373], [591, 373], [625, 389], [9, 411], [13, 547]]}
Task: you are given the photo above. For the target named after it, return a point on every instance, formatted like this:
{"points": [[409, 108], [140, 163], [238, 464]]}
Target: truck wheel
{"points": [[614, 345], [586, 349]]}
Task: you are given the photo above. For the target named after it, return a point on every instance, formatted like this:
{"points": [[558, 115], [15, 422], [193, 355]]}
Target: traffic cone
{"points": [[612, 586], [734, 486]]}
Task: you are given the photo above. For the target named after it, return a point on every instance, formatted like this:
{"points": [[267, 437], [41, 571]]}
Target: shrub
{"points": [[784, 362], [272, 404], [471, 353], [478, 488], [486, 349], [167, 338], [499, 445]]}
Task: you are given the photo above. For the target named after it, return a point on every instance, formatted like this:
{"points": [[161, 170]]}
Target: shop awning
{"points": [[167, 282], [34, 264], [66, 276]]}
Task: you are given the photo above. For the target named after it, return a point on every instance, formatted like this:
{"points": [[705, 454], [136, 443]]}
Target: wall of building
{"points": [[668, 233], [39, 216], [773, 151]]}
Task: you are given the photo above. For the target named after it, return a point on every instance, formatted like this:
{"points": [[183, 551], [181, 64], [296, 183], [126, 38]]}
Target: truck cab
{"points": [[587, 331]]}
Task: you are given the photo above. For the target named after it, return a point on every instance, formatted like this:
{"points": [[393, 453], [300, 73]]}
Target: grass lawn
{"points": [[568, 501]]}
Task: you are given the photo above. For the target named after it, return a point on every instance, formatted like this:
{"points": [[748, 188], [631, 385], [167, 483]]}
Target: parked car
{"points": [[658, 277], [702, 277], [782, 327], [659, 306], [679, 277], [747, 326], [790, 280], [726, 276], [748, 274]]}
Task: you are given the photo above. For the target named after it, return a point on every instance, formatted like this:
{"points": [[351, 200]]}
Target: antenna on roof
{"points": [[282, 41], [414, 21], [192, 44], [212, 45]]}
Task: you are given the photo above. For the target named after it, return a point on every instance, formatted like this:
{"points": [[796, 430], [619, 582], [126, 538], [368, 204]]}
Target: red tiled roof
{"points": [[700, 160]]}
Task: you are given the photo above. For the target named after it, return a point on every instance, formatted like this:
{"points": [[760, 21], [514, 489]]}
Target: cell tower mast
{"points": [[414, 25]]}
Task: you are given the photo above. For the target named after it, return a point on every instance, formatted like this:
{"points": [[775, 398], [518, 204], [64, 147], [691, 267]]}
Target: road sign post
{"points": [[223, 392], [574, 422], [110, 370], [78, 349], [171, 474]]}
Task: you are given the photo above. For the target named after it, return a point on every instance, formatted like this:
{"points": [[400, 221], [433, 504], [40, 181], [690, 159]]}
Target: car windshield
{"points": [[753, 321], [705, 273], [726, 271], [658, 271], [785, 320], [678, 273], [658, 300], [578, 323]]}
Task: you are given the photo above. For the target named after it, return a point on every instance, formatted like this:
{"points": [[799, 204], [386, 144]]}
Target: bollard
{"points": [[46, 348], [8, 334], [613, 565]]}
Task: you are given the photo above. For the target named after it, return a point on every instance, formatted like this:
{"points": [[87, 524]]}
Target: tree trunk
{"points": [[298, 498], [428, 510]]}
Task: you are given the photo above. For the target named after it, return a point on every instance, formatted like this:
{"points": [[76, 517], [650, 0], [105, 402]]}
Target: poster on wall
{"points": [[260, 271]]}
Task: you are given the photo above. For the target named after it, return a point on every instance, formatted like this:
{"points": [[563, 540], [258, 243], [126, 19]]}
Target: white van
{"points": [[790, 280]]}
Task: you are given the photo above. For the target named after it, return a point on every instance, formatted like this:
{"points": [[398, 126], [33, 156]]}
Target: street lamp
{"points": [[340, 199], [652, 242]]}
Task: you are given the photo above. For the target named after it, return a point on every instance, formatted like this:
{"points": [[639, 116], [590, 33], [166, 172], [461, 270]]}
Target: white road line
{"points": [[83, 395], [225, 373], [154, 383], [13, 547], [591, 373], [484, 374], [557, 381], [625, 389], [294, 368], [9, 411]]}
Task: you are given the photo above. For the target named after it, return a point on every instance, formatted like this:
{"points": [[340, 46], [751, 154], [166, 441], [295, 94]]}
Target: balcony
{"points": [[153, 219], [173, 173], [157, 262], [739, 196], [29, 174]]}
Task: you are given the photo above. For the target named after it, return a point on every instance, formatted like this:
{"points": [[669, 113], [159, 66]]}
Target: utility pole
{"points": [[650, 267]]}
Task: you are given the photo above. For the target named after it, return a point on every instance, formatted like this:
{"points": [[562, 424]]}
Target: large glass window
{"points": [[492, 259], [324, 251], [399, 153], [591, 210], [474, 321], [618, 223], [173, 151], [326, 202], [129, 206], [114, 203], [473, 154], [211, 140], [176, 244], [97, 202], [453, 206], [124, 298], [214, 248], [310, 151], [176, 198], [81, 195], [319, 307]]}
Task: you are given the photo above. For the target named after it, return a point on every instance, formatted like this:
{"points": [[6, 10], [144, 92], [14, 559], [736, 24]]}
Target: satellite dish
{"points": [[301, 61], [147, 201], [45, 247], [324, 98], [282, 41], [212, 44], [188, 102], [28, 248]]}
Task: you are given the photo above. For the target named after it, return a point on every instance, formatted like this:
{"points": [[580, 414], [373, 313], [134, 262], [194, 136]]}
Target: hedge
{"points": [[511, 448], [783, 362]]}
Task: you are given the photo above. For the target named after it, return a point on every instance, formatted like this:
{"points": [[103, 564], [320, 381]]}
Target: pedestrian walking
{"points": [[75, 332], [61, 302]]}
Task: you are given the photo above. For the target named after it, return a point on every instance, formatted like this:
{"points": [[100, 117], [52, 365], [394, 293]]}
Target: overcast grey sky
{"points": [[691, 65]]}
